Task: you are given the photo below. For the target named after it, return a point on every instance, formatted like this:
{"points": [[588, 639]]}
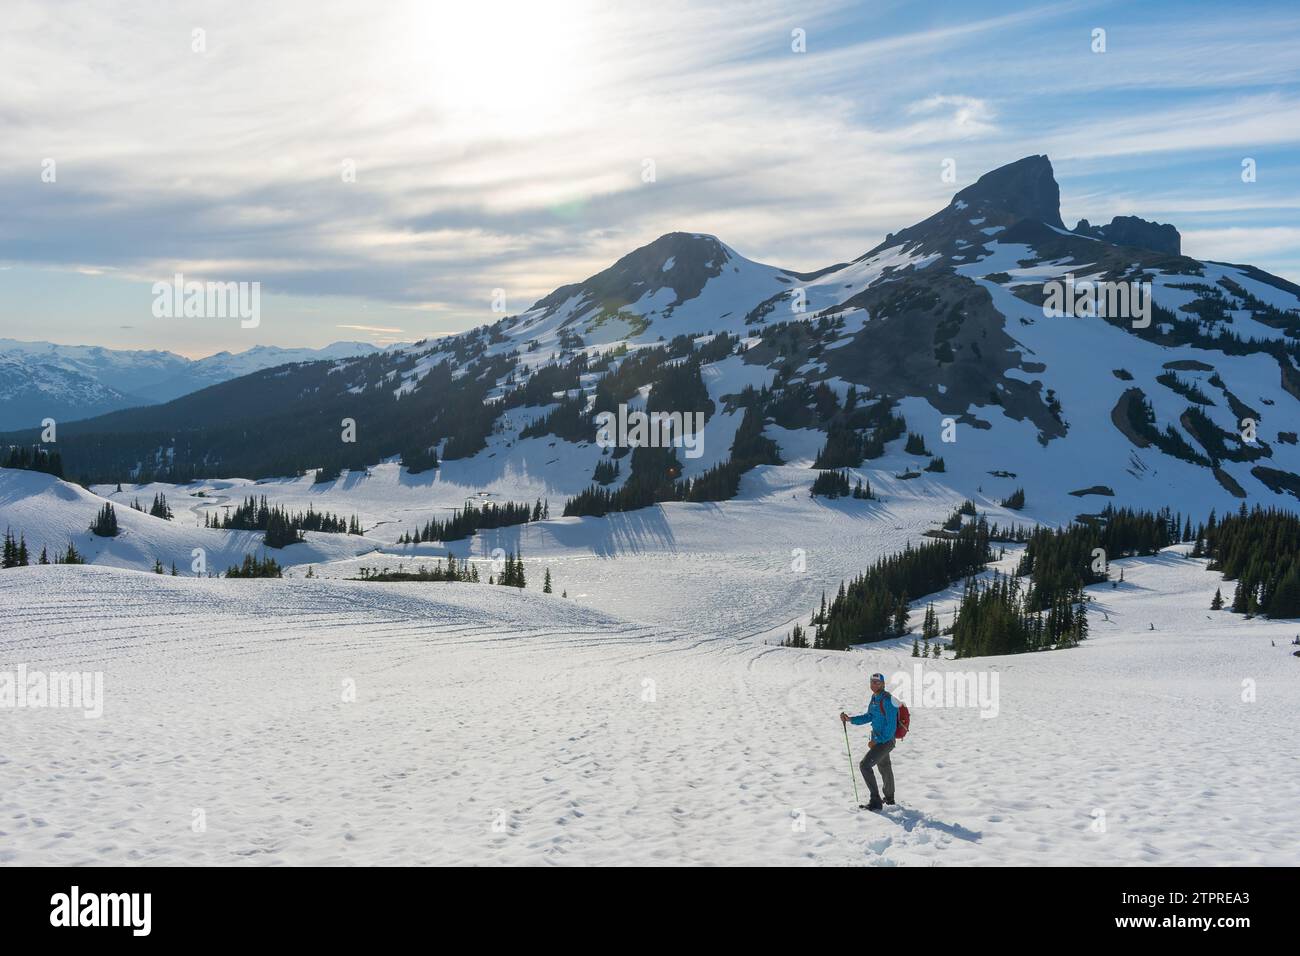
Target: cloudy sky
{"points": [[505, 144]]}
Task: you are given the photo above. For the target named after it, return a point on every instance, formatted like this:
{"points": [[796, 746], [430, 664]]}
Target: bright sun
{"points": [[500, 67]]}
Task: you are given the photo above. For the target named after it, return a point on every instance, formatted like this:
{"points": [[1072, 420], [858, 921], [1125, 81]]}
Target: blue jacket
{"points": [[882, 715]]}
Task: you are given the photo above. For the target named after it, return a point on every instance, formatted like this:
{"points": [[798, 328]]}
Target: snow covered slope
{"points": [[50, 514], [321, 722]]}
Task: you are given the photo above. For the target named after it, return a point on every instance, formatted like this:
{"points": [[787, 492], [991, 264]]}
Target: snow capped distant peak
{"points": [[70, 382]]}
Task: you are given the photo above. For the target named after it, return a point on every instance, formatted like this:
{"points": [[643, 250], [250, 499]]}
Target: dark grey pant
{"points": [[878, 756]]}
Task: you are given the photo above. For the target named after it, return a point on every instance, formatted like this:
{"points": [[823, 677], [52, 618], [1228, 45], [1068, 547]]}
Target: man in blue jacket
{"points": [[882, 715]]}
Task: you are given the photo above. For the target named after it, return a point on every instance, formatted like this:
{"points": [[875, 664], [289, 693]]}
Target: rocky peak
{"points": [[1026, 188], [1132, 231]]}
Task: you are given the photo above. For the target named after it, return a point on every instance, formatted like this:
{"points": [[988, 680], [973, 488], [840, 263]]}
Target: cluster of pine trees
{"points": [[512, 575], [645, 486], [1003, 617], [16, 554], [105, 523], [540, 386], [1011, 534], [655, 472], [252, 567], [1188, 389], [1043, 605], [159, 508], [453, 570], [1208, 328], [929, 632], [34, 458], [874, 606], [570, 420], [1260, 550], [848, 445], [835, 484], [470, 520], [957, 519], [281, 527], [1142, 418], [607, 471], [749, 448], [1062, 562]]}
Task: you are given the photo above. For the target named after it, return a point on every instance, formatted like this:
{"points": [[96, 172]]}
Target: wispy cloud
{"points": [[369, 328], [422, 155]]}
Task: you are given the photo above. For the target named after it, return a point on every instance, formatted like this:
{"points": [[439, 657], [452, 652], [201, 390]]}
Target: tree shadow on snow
{"points": [[619, 533]]}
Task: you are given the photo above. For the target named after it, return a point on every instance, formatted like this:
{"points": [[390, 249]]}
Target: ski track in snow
{"points": [[494, 726]]}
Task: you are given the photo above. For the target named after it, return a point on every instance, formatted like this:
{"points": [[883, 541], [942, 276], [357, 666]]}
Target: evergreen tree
{"points": [[1285, 598], [105, 523], [901, 614], [546, 584], [267, 567]]}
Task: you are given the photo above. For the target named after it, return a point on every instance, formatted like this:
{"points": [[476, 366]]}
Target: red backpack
{"points": [[903, 724]]}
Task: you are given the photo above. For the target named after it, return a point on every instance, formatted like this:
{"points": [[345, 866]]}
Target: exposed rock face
{"points": [[1132, 231], [939, 335], [1026, 188]]}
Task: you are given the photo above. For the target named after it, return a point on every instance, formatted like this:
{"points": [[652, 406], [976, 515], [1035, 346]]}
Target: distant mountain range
{"points": [[935, 350], [41, 380]]}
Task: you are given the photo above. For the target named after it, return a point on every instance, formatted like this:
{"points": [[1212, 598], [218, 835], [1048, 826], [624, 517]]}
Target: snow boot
{"points": [[873, 805]]}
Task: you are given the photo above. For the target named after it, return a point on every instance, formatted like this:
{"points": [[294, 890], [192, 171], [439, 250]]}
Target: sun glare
{"points": [[505, 69]]}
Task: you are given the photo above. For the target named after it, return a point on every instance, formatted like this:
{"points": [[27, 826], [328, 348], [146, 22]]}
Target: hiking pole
{"points": [[852, 775]]}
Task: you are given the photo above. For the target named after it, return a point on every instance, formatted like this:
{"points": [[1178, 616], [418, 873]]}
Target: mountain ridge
{"points": [[98, 380], [944, 320]]}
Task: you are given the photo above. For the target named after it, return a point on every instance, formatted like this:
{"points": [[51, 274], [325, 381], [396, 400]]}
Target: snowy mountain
{"points": [[33, 391], [69, 382], [223, 366], [941, 330]]}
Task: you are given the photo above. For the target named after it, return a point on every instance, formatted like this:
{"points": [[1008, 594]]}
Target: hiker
{"points": [[882, 715]]}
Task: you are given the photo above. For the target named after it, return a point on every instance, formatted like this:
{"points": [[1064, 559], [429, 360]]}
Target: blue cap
{"points": [[879, 677]]}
